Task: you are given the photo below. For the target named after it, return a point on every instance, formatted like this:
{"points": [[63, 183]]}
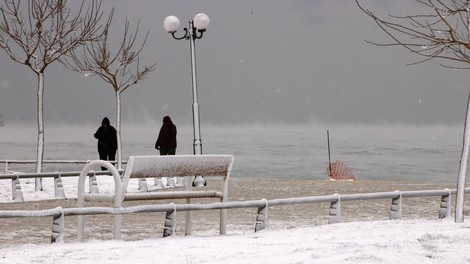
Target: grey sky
{"points": [[259, 61]]}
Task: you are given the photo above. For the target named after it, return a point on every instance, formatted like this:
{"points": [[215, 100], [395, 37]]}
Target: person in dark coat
{"points": [[166, 141], [107, 140]]}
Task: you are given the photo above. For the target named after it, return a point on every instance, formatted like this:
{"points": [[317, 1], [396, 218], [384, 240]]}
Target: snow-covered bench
{"points": [[142, 167]]}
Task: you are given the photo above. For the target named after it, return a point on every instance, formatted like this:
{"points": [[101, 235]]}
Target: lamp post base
{"points": [[199, 182]]}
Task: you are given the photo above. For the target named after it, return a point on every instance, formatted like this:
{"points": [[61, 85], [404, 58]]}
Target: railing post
{"points": [[169, 228], [335, 211], [170, 182], [57, 235], [7, 168], [159, 184], [93, 184], [58, 186], [17, 194], [179, 182], [143, 185], [395, 210], [445, 208], [262, 217]]}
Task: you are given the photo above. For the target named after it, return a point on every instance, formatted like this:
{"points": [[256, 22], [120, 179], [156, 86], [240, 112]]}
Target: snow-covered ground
{"points": [[413, 241], [399, 241]]}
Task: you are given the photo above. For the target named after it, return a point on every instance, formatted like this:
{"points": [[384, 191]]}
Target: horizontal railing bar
{"points": [[30, 213], [429, 193], [213, 206], [369, 196], [172, 195], [131, 209], [146, 208], [89, 211], [220, 205], [54, 161], [22, 175], [303, 200], [98, 197], [209, 206]]}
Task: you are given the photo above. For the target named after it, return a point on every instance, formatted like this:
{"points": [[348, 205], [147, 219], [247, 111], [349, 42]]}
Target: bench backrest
{"points": [[177, 166]]}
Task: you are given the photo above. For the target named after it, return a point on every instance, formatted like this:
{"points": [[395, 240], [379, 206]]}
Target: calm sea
{"points": [[373, 152]]}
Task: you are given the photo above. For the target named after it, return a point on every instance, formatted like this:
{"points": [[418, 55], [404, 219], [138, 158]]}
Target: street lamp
{"points": [[196, 29]]}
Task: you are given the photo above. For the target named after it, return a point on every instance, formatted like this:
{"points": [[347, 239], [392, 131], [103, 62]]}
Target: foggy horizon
{"points": [[286, 62]]}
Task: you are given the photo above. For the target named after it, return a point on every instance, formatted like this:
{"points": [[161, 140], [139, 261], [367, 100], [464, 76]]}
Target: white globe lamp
{"points": [[171, 24], [201, 21]]}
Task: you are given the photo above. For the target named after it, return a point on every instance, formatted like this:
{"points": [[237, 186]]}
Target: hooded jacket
{"points": [[167, 135], [107, 138]]}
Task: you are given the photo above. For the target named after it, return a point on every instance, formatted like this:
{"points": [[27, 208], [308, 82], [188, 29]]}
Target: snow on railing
{"points": [[262, 205], [7, 162], [38, 186], [17, 193]]}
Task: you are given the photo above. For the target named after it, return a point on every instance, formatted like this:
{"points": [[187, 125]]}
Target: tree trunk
{"points": [[118, 129], [459, 203], [40, 146]]}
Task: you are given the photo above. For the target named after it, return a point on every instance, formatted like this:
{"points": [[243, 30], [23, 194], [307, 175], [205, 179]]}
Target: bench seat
{"points": [[141, 167]]}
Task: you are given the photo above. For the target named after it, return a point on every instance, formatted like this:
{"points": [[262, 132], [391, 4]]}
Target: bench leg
{"points": [[223, 221], [187, 229], [117, 226]]}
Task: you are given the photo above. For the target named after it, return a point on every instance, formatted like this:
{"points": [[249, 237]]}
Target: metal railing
{"points": [[262, 217], [8, 162], [17, 193]]}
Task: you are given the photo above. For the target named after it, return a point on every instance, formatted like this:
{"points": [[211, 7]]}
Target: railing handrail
{"points": [[222, 205], [262, 205], [22, 175], [51, 161], [8, 162]]}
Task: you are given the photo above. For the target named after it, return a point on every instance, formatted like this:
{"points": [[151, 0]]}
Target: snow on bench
{"points": [[177, 166], [141, 167]]}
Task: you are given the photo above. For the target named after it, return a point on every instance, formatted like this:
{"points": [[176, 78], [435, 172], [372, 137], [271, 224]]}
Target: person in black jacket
{"points": [[166, 141], [107, 140]]}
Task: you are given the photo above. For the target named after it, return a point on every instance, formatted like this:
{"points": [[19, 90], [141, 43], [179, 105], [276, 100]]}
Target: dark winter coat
{"points": [[167, 135], [107, 139]]}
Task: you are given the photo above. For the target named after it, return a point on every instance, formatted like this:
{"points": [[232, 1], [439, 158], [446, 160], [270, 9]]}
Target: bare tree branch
{"points": [[120, 68], [48, 30], [36, 33], [113, 67], [441, 33]]}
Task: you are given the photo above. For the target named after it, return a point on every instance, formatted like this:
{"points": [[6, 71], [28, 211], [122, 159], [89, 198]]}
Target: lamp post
{"points": [[196, 29]]}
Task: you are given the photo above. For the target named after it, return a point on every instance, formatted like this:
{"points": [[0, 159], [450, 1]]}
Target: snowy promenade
{"points": [[297, 234]]}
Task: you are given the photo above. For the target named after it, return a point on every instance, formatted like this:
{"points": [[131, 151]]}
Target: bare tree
{"points": [[36, 33], [121, 69], [442, 32]]}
